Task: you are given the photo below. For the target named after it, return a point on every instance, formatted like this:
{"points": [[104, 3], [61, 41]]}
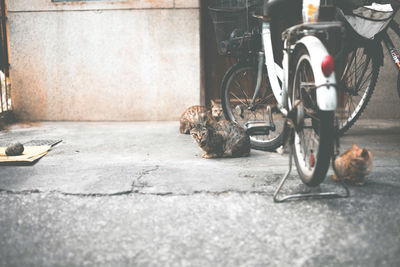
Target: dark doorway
{"points": [[214, 66]]}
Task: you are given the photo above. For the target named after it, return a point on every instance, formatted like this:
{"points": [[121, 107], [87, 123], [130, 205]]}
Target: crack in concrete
{"points": [[138, 182], [136, 187], [134, 192]]}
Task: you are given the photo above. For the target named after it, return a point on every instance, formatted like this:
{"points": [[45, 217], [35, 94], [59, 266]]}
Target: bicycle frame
{"points": [[273, 68], [389, 44]]}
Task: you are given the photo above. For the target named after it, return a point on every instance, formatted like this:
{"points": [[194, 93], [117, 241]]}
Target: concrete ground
{"points": [[118, 194]]}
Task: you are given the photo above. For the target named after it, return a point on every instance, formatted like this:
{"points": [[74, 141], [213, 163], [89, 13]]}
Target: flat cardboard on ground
{"points": [[30, 154]]}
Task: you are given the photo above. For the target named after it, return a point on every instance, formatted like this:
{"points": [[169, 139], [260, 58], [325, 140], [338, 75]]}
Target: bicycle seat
{"points": [[279, 8]]}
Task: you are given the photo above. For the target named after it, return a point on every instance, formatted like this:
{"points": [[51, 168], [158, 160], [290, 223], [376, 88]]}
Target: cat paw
{"points": [[209, 156], [280, 150], [335, 178]]}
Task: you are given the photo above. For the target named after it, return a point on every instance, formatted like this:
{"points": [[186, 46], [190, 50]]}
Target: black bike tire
{"points": [[265, 146], [342, 129], [326, 140]]}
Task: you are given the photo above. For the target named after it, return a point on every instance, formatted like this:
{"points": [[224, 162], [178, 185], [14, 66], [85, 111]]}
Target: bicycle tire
{"points": [[352, 99], [312, 159], [231, 109]]}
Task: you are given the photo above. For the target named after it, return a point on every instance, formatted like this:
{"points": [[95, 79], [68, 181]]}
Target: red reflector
{"points": [[328, 65], [311, 160]]}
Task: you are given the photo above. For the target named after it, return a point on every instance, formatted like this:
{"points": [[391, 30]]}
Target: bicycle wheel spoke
{"points": [[243, 93], [237, 98], [237, 95], [350, 65], [240, 88], [359, 80], [353, 55], [366, 80], [357, 69]]}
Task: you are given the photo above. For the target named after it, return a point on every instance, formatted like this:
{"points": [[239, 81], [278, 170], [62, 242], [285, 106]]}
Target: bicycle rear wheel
{"points": [[237, 91], [314, 136], [356, 85]]}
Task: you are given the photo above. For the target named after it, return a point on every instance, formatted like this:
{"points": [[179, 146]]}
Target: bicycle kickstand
{"points": [[305, 195]]}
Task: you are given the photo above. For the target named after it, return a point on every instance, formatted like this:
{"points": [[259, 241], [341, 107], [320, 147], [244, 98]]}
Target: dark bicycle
{"points": [[357, 71]]}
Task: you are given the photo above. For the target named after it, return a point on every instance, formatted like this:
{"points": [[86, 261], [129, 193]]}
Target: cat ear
{"points": [[212, 102], [355, 146], [364, 153]]}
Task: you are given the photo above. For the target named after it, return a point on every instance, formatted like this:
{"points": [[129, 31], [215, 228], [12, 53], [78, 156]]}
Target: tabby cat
{"points": [[199, 114], [192, 116], [216, 110], [353, 165], [221, 139]]}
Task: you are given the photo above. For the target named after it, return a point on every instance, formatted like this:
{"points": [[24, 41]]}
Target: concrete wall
{"points": [[104, 60], [120, 60]]}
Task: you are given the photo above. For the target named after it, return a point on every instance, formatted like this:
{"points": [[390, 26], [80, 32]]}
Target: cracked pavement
{"points": [[118, 194]]}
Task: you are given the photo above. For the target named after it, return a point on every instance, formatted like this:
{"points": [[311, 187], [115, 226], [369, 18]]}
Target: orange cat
{"points": [[353, 165]]}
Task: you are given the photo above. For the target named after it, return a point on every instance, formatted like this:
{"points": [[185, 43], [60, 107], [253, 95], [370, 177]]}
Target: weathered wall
{"points": [[120, 60], [112, 60]]}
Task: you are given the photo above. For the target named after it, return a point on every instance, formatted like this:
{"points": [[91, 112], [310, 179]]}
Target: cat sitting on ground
{"points": [[199, 114], [221, 139], [353, 165], [217, 111]]}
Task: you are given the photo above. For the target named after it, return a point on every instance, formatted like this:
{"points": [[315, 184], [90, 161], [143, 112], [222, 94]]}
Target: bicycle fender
{"points": [[326, 86]]}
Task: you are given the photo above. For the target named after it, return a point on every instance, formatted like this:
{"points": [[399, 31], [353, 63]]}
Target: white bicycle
{"points": [[294, 100]]}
